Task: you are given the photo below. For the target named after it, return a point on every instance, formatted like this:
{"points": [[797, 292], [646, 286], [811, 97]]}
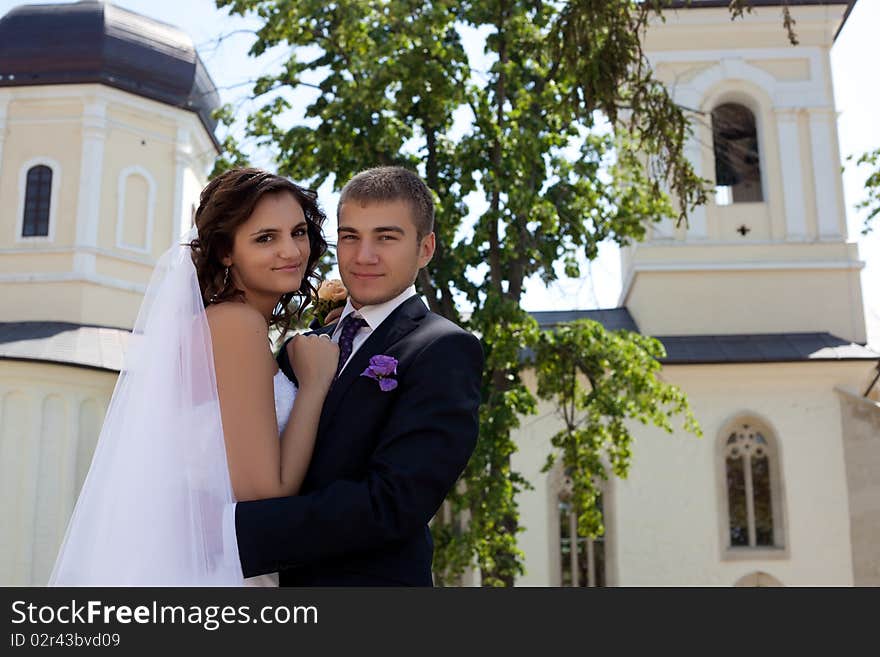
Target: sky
{"points": [[857, 96]]}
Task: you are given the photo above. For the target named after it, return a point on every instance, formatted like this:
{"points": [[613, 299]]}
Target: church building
{"points": [[758, 303]]}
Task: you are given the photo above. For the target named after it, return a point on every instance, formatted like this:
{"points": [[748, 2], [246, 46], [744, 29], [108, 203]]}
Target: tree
{"points": [[872, 187], [568, 140], [620, 372], [231, 154]]}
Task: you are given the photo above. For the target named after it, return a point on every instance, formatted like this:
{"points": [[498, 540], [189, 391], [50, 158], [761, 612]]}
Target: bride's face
{"points": [[270, 250]]}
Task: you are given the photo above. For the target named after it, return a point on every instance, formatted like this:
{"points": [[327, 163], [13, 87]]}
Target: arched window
{"points": [[737, 161], [37, 202], [135, 213], [751, 476], [582, 559]]}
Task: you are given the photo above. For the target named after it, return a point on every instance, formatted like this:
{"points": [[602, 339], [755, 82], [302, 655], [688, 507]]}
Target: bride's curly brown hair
{"points": [[225, 204]]}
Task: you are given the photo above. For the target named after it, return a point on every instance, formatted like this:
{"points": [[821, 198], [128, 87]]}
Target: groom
{"points": [[389, 447]]}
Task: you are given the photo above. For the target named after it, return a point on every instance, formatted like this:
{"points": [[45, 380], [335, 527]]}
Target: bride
{"points": [[201, 416]]}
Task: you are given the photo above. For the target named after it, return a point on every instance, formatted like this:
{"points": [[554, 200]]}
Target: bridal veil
{"points": [[151, 507]]}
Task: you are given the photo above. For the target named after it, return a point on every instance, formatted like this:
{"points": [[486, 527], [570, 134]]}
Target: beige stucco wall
{"points": [[41, 301], [860, 420], [760, 28], [70, 301], [48, 261], [665, 520], [770, 301], [50, 418], [136, 269], [538, 514]]}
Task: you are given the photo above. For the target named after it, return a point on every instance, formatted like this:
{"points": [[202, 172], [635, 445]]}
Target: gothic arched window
{"points": [[737, 161], [582, 559], [37, 201], [751, 478]]}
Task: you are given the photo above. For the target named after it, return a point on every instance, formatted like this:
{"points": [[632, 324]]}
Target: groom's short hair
{"points": [[384, 184]]}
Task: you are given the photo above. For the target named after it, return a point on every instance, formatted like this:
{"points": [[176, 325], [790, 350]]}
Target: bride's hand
{"points": [[314, 359]]}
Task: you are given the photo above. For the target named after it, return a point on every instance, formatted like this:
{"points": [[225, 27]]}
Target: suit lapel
{"points": [[398, 324]]}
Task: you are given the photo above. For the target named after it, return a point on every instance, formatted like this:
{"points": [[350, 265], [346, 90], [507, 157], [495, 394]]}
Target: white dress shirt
{"points": [[374, 316]]}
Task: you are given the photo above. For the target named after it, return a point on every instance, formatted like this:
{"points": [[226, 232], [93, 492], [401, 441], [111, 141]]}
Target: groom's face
{"points": [[379, 251]]}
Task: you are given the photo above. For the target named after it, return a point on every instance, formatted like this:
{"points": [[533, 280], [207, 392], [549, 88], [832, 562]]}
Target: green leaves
{"points": [[872, 187], [601, 381], [231, 155]]}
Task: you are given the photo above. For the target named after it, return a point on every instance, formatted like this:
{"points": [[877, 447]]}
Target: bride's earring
{"points": [[214, 296]]}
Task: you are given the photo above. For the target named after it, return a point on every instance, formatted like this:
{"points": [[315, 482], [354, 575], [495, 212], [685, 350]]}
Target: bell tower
{"points": [[106, 134], [769, 253]]}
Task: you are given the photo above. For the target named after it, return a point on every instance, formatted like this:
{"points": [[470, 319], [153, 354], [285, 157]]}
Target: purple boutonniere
{"points": [[382, 369]]}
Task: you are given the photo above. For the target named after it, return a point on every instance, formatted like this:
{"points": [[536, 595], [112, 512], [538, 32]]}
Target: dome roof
{"points": [[90, 41]]}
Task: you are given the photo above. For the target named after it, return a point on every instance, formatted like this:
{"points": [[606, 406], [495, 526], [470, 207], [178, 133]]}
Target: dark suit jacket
{"points": [[382, 465]]}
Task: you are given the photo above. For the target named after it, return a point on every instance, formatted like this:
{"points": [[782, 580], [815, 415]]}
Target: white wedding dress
{"points": [[285, 393], [152, 506]]}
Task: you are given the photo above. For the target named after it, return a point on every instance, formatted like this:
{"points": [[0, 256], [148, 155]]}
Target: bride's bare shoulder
{"points": [[235, 320]]}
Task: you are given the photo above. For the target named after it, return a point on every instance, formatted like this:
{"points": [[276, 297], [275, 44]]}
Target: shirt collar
{"points": [[375, 315]]}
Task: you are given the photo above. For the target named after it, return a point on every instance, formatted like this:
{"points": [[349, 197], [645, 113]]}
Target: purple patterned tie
{"points": [[350, 326]]}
